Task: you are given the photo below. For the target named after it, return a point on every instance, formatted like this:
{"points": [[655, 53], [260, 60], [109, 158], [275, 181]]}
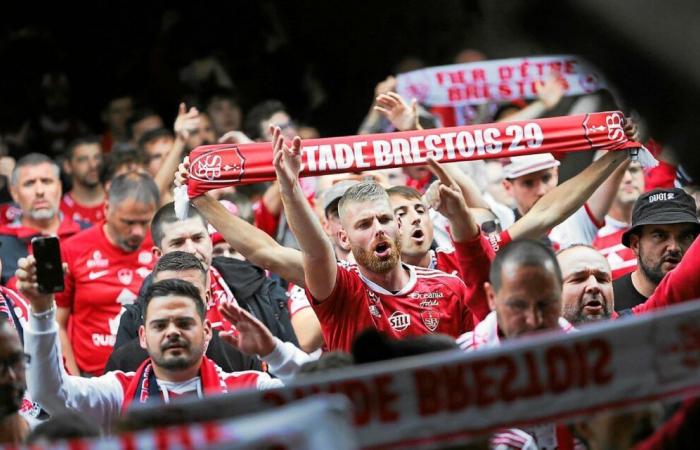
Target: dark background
{"points": [[273, 48]]}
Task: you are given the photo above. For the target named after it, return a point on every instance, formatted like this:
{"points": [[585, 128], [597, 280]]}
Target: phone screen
{"points": [[49, 271]]}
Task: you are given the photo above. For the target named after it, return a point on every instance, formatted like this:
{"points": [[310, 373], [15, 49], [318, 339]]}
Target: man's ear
{"points": [[634, 244], [66, 167], [157, 252], [343, 239], [207, 332], [142, 337], [490, 295]]}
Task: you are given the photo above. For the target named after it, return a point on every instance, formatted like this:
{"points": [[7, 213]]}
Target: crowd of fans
{"points": [[261, 284]]}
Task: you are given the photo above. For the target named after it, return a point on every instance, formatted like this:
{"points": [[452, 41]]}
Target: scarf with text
{"points": [[222, 165], [502, 80]]}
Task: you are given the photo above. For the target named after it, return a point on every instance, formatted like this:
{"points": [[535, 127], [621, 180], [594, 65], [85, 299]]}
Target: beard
{"points": [[654, 272], [42, 214], [576, 313], [11, 397], [370, 261], [188, 357], [129, 245]]}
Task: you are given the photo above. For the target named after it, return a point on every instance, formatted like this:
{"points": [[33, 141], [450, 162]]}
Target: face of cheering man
{"points": [[372, 231], [189, 236], [416, 228], [660, 248], [528, 299], [587, 292]]}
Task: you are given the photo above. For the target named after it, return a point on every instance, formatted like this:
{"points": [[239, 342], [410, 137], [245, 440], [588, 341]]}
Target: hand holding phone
{"points": [[49, 268]]}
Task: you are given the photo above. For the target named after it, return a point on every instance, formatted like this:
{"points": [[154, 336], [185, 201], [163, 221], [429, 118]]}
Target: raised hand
{"points": [[631, 129], [251, 336], [286, 159], [235, 137], [401, 115], [186, 121], [446, 196], [28, 286], [385, 86], [183, 172]]}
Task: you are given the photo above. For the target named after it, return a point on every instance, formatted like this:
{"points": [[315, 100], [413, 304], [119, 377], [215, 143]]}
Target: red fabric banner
{"points": [[217, 166]]}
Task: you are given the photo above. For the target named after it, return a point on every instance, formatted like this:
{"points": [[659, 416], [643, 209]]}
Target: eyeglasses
{"points": [[16, 362]]}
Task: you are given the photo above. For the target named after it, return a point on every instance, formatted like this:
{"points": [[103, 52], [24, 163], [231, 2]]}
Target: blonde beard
{"points": [[372, 263]]}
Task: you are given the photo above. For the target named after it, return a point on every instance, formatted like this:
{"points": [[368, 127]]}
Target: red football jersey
{"points": [[431, 302], [621, 259], [74, 210], [101, 279]]}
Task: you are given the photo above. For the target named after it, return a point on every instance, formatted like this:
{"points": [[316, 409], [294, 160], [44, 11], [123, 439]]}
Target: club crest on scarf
{"points": [[608, 126], [223, 165]]}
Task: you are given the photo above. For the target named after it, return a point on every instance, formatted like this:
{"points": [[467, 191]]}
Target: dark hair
{"points": [[32, 159], [373, 345], [258, 114], [82, 140], [165, 215], [136, 116], [524, 252], [153, 135], [174, 286], [121, 155], [221, 94], [66, 425], [328, 361], [134, 185], [179, 261], [405, 192]]}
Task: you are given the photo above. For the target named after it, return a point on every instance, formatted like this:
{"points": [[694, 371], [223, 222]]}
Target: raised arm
{"points": [[565, 199], [185, 121], [318, 257], [253, 243]]}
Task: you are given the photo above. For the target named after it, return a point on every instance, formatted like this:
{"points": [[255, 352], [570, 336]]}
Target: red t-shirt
{"points": [[431, 302], [101, 278], [76, 211]]}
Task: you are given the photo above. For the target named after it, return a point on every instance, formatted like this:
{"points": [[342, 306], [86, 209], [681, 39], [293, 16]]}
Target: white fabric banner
{"points": [[501, 80]]}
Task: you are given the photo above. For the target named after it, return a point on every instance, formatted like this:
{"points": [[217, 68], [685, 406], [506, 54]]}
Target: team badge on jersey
{"points": [[431, 319], [145, 257], [399, 320], [125, 276]]}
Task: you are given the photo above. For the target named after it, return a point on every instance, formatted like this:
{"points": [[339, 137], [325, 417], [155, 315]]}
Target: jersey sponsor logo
{"points": [[425, 295], [126, 276], [103, 340], [431, 319], [373, 310], [143, 272], [399, 320], [97, 260], [429, 303], [95, 275], [29, 408], [374, 298], [145, 257]]}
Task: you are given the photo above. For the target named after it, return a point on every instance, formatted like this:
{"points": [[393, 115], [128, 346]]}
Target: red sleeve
{"points": [[65, 299], [499, 240], [474, 264], [264, 219], [661, 176], [680, 284]]}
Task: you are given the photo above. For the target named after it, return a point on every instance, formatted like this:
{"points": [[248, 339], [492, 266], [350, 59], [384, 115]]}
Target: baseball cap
{"points": [[662, 207], [336, 191], [527, 164]]}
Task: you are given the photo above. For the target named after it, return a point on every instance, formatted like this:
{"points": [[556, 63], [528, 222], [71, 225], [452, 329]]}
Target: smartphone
{"points": [[49, 270]]}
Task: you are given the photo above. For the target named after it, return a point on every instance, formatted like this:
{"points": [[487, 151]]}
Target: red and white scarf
{"points": [[501, 80], [143, 387]]}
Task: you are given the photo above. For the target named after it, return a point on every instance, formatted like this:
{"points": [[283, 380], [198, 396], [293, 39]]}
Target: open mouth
{"points": [[418, 236], [593, 306], [382, 250]]}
